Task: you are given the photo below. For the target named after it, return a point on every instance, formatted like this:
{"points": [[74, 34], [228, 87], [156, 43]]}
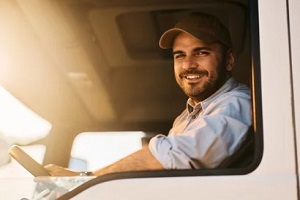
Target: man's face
{"points": [[200, 69]]}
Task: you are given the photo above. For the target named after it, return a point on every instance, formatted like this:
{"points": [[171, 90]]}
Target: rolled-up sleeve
{"points": [[171, 158], [205, 147]]}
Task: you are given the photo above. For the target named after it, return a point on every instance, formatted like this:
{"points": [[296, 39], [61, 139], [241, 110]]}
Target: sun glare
{"points": [[19, 124]]}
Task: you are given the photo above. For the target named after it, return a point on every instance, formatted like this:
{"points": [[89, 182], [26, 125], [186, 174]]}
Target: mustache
{"points": [[194, 72]]}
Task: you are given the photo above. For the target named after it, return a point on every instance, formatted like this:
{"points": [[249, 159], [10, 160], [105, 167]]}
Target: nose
{"points": [[190, 63]]}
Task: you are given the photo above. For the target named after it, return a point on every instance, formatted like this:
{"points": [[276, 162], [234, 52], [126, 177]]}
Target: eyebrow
{"points": [[194, 50]]}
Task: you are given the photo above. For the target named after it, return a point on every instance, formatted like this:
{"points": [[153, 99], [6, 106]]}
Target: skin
{"points": [[200, 70], [138, 161]]}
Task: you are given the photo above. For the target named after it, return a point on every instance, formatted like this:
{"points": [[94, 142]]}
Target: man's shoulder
{"points": [[236, 94], [239, 93], [229, 91], [236, 89], [239, 90]]}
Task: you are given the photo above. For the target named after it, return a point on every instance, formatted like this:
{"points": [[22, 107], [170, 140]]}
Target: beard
{"points": [[209, 83]]}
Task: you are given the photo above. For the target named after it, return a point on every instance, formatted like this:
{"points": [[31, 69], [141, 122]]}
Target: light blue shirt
{"points": [[207, 133]]}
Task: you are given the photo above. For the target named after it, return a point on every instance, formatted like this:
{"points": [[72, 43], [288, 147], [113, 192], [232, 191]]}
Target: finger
{"points": [[52, 167]]}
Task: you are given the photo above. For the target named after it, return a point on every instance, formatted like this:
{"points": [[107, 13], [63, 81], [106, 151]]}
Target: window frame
{"points": [[257, 121]]}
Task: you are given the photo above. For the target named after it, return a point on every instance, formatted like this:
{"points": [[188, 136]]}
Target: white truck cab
{"points": [[266, 35]]}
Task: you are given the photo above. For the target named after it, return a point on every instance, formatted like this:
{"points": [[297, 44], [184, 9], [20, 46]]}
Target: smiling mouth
{"points": [[192, 77]]}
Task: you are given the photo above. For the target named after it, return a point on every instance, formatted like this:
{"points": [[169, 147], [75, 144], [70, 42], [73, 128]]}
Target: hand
{"points": [[48, 189], [56, 170]]}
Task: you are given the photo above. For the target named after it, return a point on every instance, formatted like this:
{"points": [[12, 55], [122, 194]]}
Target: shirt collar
{"points": [[195, 108]]}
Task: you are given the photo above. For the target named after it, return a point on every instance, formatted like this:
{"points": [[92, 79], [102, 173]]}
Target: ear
{"points": [[230, 60]]}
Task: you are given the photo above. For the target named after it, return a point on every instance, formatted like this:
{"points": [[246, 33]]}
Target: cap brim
{"points": [[167, 39]]}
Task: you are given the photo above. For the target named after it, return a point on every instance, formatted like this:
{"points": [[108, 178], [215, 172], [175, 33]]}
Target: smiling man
{"points": [[218, 112]]}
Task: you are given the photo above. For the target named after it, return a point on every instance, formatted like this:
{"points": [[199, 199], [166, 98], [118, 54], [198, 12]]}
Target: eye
{"points": [[179, 56], [201, 53]]}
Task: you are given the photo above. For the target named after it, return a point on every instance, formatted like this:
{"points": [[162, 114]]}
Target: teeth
{"points": [[192, 76]]}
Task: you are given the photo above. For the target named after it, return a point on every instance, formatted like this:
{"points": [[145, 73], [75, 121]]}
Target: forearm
{"points": [[138, 161]]}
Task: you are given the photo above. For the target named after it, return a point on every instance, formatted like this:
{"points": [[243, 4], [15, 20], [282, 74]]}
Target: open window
{"points": [[127, 40]]}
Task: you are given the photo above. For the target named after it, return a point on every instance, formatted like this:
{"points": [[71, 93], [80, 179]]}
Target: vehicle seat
{"points": [[94, 150], [244, 155]]}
